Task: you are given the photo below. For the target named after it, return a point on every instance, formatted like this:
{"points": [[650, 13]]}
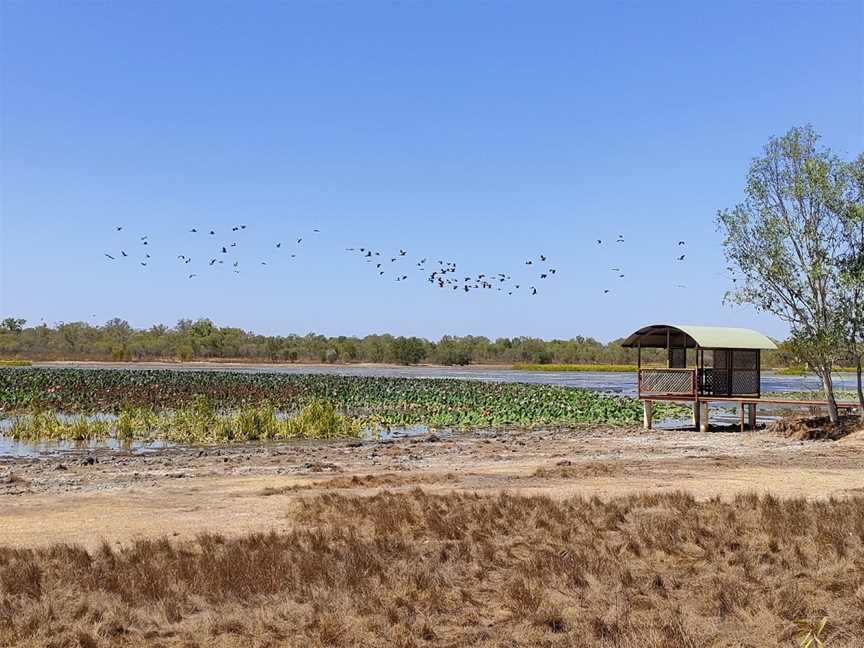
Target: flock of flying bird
{"points": [[441, 274]]}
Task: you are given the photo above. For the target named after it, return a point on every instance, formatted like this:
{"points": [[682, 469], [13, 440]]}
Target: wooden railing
{"points": [[667, 383]]}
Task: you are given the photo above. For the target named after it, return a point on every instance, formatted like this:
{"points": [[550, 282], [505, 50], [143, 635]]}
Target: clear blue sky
{"points": [[480, 133]]}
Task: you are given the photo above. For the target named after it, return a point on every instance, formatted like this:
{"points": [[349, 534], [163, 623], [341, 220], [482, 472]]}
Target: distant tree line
{"points": [[201, 339]]}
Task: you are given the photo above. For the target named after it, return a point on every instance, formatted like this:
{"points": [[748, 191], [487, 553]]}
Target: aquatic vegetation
{"points": [[15, 363], [45, 425], [197, 423], [577, 367], [842, 395], [374, 401]]}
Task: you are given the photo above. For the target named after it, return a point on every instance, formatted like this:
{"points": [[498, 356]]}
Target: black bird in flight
{"points": [[402, 252], [542, 258], [193, 230], [212, 233], [234, 229], [605, 291], [316, 230], [109, 256], [192, 275], [123, 253], [212, 261], [143, 264], [681, 243], [681, 258], [119, 227], [543, 276], [234, 244], [224, 251], [300, 239], [528, 262], [533, 290], [599, 241], [278, 245]]}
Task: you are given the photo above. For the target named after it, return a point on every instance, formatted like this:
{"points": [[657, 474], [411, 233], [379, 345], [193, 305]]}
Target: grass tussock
{"points": [[197, 423], [415, 569]]}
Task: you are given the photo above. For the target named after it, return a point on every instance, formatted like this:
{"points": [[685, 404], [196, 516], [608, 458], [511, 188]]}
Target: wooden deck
{"points": [[747, 406]]}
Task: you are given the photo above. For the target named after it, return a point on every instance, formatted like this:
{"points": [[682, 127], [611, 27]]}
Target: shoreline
{"points": [[469, 368]]}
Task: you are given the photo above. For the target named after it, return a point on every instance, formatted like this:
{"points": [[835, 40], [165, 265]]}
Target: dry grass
{"points": [[414, 569]]}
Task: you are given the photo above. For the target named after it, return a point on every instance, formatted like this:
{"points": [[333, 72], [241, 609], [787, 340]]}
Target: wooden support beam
{"points": [[647, 419], [697, 410], [742, 418], [704, 425], [751, 411]]}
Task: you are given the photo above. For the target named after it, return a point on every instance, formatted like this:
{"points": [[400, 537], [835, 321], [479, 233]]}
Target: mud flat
{"points": [[89, 495]]}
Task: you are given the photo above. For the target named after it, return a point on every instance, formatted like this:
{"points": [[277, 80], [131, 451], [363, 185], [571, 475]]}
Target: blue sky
{"points": [[480, 133]]}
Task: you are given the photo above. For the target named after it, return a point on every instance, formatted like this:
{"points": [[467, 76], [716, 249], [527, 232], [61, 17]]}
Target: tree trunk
{"points": [[828, 385], [860, 389]]}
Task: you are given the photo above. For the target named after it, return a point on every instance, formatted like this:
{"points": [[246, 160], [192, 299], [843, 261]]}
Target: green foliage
{"points": [[786, 243], [12, 324], [373, 401], [15, 363]]}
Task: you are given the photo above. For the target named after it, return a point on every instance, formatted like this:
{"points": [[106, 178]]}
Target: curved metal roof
{"points": [[690, 336]]}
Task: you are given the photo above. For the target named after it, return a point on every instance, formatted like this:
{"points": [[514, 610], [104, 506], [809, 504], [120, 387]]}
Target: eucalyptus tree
{"points": [[785, 242], [852, 269]]}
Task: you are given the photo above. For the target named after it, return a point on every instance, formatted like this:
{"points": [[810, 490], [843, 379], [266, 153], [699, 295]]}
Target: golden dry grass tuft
{"points": [[416, 569]]}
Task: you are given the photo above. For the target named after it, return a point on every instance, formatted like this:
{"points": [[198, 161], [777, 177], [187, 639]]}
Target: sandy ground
{"points": [[119, 496]]}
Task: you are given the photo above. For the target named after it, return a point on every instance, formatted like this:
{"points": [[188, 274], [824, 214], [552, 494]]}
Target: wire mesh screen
{"points": [[667, 382], [745, 382], [745, 359], [729, 382]]}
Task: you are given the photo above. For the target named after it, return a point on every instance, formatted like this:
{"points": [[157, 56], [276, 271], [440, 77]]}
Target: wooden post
{"points": [[668, 350], [697, 410], [751, 407], [639, 369], [647, 421], [703, 416], [742, 417]]}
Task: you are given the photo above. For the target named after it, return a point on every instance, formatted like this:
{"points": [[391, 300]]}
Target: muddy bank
{"points": [[122, 495]]}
